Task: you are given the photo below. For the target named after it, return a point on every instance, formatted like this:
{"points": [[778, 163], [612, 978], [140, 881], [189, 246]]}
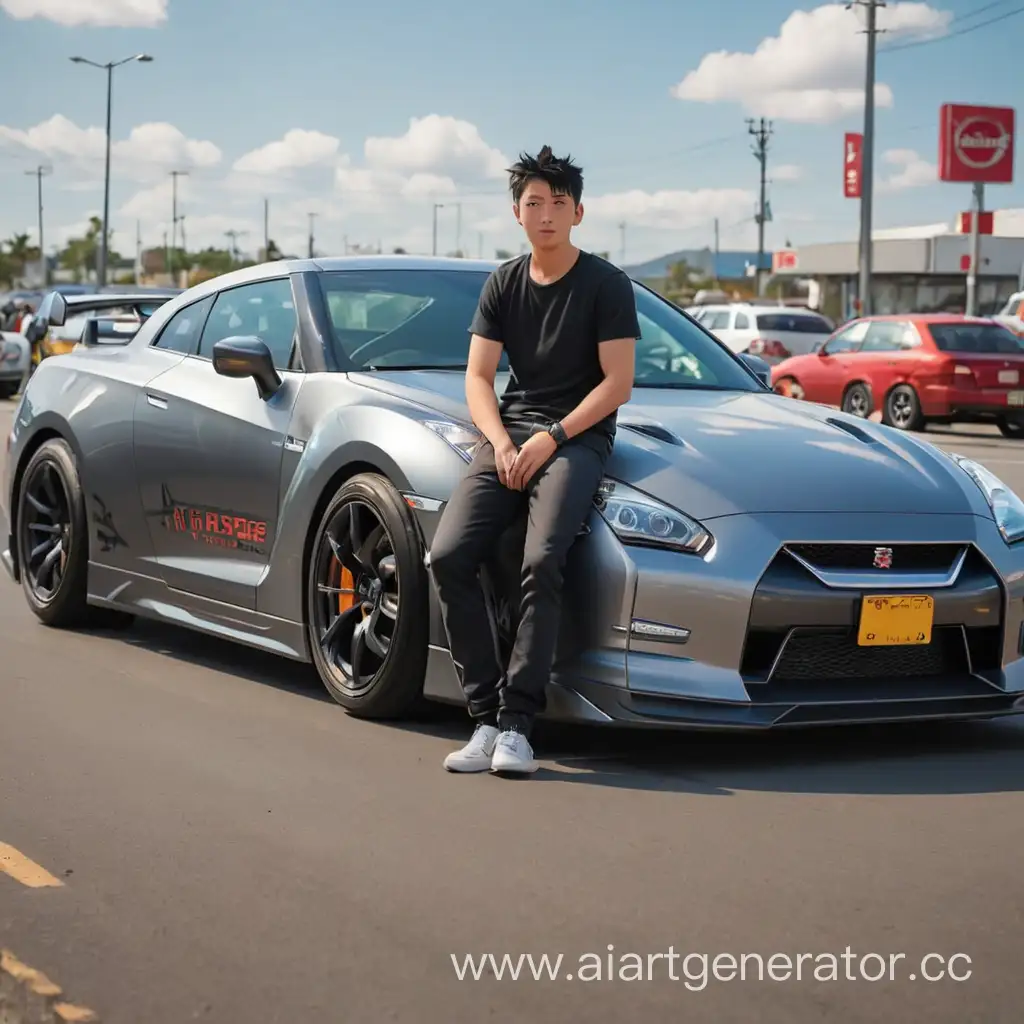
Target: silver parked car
{"points": [[267, 458]]}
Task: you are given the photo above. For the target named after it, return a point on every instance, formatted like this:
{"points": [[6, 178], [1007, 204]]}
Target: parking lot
{"points": [[230, 847]]}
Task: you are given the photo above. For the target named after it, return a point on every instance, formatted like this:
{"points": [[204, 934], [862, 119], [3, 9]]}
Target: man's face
{"points": [[547, 217]]}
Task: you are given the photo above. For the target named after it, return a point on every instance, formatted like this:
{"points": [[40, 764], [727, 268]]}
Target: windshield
{"points": [[981, 338], [419, 319]]}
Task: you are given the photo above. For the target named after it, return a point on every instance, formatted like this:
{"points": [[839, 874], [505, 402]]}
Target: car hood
{"points": [[717, 453]]}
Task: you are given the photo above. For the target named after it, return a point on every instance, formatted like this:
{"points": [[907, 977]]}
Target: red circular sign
{"points": [[980, 142]]}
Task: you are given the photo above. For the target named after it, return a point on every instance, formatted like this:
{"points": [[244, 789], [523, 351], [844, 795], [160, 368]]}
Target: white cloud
{"points": [[676, 210], [813, 70], [440, 145], [147, 154], [298, 149], [96, 13], [914, 171], [787, 172]]}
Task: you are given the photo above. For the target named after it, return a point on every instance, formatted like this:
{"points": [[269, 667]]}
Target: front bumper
{"points": [[772, 643]]}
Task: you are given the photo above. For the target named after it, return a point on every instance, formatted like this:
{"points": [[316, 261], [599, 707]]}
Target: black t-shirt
{"points": [[551, 333]]}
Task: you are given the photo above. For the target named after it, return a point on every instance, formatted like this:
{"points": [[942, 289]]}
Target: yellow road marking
{"points": [[21, 868], [40, 985]]}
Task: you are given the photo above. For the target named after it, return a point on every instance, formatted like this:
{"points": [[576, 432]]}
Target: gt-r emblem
{"points": [[883, 558]]}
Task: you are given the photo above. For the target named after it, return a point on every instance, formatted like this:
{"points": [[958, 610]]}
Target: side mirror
{"points": [[36, 330], [53, 310], [247, 357], [758, 367]]}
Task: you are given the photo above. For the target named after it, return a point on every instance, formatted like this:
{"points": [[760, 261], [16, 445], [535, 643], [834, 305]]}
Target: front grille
{"points": [[861, 557], [835, 655]]}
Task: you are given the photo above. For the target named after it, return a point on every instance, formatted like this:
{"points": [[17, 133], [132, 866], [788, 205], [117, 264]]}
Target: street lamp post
{"points": [[143, 58]]}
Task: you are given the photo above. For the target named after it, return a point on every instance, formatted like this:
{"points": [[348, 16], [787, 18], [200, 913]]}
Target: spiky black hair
{"points": [[561, 174]]}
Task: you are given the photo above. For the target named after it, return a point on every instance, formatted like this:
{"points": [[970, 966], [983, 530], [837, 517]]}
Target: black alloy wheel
{"points": [[368, 612], [46, 531]]}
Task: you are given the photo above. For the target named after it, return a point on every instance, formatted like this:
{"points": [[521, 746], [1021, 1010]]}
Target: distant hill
{"points": [[731, 265]]}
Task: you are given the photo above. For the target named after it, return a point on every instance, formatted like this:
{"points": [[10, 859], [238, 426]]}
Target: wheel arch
{"points": [[866, 384]]}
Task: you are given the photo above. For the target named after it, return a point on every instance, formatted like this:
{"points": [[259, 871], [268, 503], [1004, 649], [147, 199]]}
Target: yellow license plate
{"points": [[1015, 398], [891, 621]]}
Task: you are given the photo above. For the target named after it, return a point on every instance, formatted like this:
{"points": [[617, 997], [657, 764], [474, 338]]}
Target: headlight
{"points": [[639, 519], [1007, 508], [461, 437]]}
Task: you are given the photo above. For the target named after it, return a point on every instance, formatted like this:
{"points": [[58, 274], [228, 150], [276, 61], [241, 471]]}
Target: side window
{"points": [[886, 336], [181, 332], [716, 321], [264, 310], [848, 340], [742, 322]]}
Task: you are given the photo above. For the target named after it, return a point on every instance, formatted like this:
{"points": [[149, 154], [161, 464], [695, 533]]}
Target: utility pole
{"points": [[312, 219], [38, 174], [622, 243], [458, 228], [234, 236], [716, 252], [138, 253], [437, 206], [266, 229], [174, 220], [867, 153], [761, 131]]}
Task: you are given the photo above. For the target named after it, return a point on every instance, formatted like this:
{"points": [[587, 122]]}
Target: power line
{"points": [[956, 34]]}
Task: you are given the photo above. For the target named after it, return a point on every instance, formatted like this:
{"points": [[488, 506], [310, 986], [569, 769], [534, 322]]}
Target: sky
{"points": [[369, 114]]}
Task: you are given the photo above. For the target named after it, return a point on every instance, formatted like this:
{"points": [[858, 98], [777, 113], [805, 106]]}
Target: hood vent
{"points": [[853, 431], [655, 430]]}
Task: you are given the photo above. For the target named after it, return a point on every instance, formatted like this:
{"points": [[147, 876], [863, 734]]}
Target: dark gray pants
{"points": [[559, 497]]}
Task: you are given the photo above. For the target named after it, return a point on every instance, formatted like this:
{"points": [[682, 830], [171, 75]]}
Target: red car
{"points": [[915, 369]]}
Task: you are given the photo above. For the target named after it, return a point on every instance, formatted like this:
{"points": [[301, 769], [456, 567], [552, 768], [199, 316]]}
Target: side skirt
{"points": [[151, 598]]}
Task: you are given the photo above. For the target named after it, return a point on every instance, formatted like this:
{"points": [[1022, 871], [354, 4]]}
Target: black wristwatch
{"points": [[557, 431]]}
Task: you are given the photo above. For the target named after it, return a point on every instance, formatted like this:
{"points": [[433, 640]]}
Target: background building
{"points": [[914, 269]]}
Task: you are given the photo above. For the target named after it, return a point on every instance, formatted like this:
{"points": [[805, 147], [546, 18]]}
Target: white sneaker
{"points": [[513, 754], [475, 756]]}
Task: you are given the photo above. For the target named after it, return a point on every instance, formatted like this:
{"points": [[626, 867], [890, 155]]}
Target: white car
{"points": [[773, 333], [1011, 315], [15, 356]]}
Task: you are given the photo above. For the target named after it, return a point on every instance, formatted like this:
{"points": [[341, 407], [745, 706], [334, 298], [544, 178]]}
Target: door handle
{"points": [[156, 401]]}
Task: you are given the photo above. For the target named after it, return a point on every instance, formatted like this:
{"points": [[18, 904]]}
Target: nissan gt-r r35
{"points": [[266, 460]]}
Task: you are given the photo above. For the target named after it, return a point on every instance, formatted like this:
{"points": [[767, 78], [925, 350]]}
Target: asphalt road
{"points": [[231, 847]]}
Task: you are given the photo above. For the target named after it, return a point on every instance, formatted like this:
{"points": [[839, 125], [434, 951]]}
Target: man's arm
{"points": [[618, 363], [617, 331], [484, 356]]}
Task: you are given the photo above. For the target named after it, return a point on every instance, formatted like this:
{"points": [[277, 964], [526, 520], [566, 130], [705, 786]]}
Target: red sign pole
{"points": [[976, 146]]}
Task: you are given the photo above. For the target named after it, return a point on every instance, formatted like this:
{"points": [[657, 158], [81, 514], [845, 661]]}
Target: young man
{"points": [[568, 321]]}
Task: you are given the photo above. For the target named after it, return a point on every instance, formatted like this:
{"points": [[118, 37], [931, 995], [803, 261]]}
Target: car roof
{"points": [[926, 318]]}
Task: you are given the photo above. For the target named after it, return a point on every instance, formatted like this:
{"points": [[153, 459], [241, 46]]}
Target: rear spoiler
{"points": [[107, 331]]}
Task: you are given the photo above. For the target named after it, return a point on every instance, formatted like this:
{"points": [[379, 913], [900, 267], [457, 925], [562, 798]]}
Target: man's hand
{"points": [[504, 459], [534, 453]]}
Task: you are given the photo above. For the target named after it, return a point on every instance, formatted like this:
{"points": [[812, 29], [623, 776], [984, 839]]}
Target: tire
{"points": [[789, 387], [857, 401], [395, 684], [1010, 428], [52, 468], [66, 607], [903, 409]]}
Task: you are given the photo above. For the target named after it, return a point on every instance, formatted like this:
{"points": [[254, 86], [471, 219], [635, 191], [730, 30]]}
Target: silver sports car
{"points": [[267, 458]]}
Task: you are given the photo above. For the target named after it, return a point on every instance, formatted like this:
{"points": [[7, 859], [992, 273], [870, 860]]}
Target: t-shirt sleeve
{"points": [[487, 320], [616, 309]]}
